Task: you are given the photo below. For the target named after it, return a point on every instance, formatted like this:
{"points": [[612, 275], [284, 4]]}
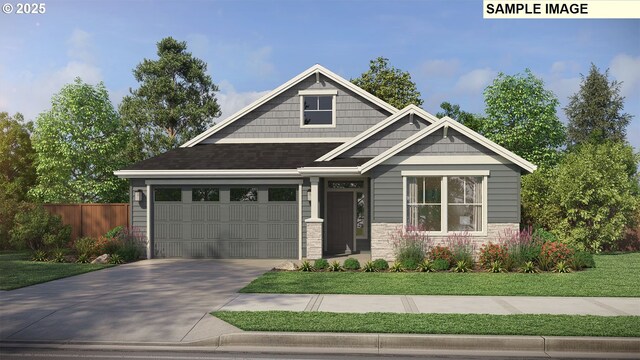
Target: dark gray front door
{"points": [[340, 222]]}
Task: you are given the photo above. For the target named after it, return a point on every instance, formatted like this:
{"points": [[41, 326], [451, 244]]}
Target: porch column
{"points": [[314, 223], [149, 227]]}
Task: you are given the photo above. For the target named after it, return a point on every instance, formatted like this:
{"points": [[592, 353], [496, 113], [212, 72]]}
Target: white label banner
{"points": [[561, 9]]}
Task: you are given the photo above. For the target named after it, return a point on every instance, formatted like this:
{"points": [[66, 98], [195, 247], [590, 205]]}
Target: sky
{"points": [[251, 47]]}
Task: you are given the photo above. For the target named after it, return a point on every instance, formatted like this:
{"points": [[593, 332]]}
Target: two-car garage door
{"points": [[226, 221]]}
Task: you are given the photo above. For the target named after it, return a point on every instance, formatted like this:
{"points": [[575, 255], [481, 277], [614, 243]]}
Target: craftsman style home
{"points": [[320, 167]]}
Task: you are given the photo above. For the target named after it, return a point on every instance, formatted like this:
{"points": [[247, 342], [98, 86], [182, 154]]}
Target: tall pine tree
{"points": [[595, 111]]}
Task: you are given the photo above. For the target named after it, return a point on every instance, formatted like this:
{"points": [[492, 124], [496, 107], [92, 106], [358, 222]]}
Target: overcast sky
{"points": [[252, 47]]}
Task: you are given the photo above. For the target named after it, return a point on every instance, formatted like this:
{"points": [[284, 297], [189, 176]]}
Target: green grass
{"points": [[543, 325], [614, 275], [17, 271]]}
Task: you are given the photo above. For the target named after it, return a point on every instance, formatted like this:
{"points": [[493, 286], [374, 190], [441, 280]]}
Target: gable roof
{"points": [[447, 121], [279, 90], [410, 109]]}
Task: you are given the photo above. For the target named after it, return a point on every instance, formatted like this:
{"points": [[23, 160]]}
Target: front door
{"points": [[340, 222]]}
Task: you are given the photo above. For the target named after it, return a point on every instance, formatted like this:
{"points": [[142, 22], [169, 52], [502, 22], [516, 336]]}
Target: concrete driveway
{"points": [[148, 301]]}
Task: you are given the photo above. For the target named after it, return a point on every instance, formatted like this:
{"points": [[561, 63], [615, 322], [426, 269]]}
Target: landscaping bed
{"points": [[614, 275], [543, 325]]}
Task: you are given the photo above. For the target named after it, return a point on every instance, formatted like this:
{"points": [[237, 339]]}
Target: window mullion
{"points": [[444, 204]]}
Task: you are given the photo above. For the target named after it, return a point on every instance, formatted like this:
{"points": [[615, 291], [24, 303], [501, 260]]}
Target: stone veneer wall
{"points": [[381, 233], [314, 238]]}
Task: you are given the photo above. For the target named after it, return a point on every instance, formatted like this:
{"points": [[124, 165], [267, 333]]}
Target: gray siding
{"points": [[280, 117], [503, 191], [139, 209], [454, 144], [386, 138]]}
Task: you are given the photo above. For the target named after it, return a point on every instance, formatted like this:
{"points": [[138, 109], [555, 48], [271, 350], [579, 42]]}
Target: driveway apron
{"points": [[148, 301]]}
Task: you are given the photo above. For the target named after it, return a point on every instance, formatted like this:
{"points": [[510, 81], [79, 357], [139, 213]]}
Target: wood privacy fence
{"points": [[91, 219]]}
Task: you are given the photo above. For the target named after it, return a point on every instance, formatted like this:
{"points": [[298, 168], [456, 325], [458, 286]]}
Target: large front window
{"points": [[436, 203]]}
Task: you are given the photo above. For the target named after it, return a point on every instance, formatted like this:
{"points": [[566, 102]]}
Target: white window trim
{"points": [[332, 93], [444, 215]]}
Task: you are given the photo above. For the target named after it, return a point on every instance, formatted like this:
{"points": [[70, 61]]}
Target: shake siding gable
{"points": [[454, 144], [280, 117]]}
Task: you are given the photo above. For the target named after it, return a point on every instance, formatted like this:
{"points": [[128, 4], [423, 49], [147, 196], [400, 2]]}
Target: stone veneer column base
{"points": [[381, 234], [314, 238]]}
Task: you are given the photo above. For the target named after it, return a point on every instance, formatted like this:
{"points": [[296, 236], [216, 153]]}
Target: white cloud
{"points": [[439, 68], [80, 46], [563, 87], [232, 101], [626, 68], [259, 61], [560, 67], [475, 81]]}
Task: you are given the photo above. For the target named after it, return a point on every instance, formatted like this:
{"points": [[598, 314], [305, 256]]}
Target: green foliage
{"points": [[410, 246], [57, 256], [174, 103], [589, 198], [351, 264], [79, 142], [425, 266], [85, 246], [335, 266], [581, 260], [115, 232], [129, 251], [36, 229], [82, 259], [562, 267], [321, 264], [396, 267], [369, 267], [441, 264], [595, 111], [17, 171], [521, 116], [496, 267], [528, 268], [39, 255], [380, 264], [305, 265], [462, 247], [116, 259], [461, 266], [472, 121], [389, 84]]}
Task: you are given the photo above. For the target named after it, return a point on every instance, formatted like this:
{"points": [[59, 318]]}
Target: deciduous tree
{"points": [[389, 84], [467, 119]]}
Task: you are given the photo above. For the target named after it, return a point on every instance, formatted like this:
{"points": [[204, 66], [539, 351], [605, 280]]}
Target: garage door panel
{"points": [[206, 213]]}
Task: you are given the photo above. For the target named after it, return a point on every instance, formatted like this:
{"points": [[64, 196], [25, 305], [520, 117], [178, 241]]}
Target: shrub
{"points": [[581, 260], [552, 253], [305, 265], [496, 267], [39, 255], [125, 242], [129, 251], [321, 264], [36, 229], [57, 256], [441, 265], [105, 245], [491, 253], [410, 245], [461, 266], [562, 267], [396, 267], [116, 232], [529, 268], [351, 264], [82, 259], [440, 252], [85, 246], [335, 266], [522, 246], [425, 266], [380, 264], [368, 267], [462, 247], [116, 259]]}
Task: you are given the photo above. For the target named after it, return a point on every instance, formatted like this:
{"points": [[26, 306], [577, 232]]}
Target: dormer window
{"points": [[318, 108]]}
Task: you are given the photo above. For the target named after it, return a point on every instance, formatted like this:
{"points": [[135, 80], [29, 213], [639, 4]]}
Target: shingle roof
{"points": [[238, 156]]}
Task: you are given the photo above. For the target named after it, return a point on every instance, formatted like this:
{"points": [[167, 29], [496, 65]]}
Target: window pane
{"points": [[311, 103], [473, 190], [244, 194], [282, 194], [464, 218], [346, 184], [205, 194], [168, 194], [325, 102], [432, 190], [360, 220], [455, 187], [424, 217], [318, 118]]}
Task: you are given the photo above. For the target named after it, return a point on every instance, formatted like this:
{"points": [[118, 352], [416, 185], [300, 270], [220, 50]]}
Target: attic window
{"points": [[317, 108]]}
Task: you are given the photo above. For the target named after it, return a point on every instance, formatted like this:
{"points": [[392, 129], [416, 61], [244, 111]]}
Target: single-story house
{"points": [[319, 167]]}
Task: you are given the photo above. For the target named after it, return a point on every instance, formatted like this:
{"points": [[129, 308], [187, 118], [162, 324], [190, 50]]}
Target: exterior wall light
{"points": [[137, 195]]}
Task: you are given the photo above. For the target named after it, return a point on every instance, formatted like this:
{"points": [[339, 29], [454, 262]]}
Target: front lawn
{"points": [[614, 275], [17, 271], [543, 325]]}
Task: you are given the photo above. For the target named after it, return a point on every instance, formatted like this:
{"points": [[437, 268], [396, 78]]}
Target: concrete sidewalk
{"points": [[499, 305]]}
